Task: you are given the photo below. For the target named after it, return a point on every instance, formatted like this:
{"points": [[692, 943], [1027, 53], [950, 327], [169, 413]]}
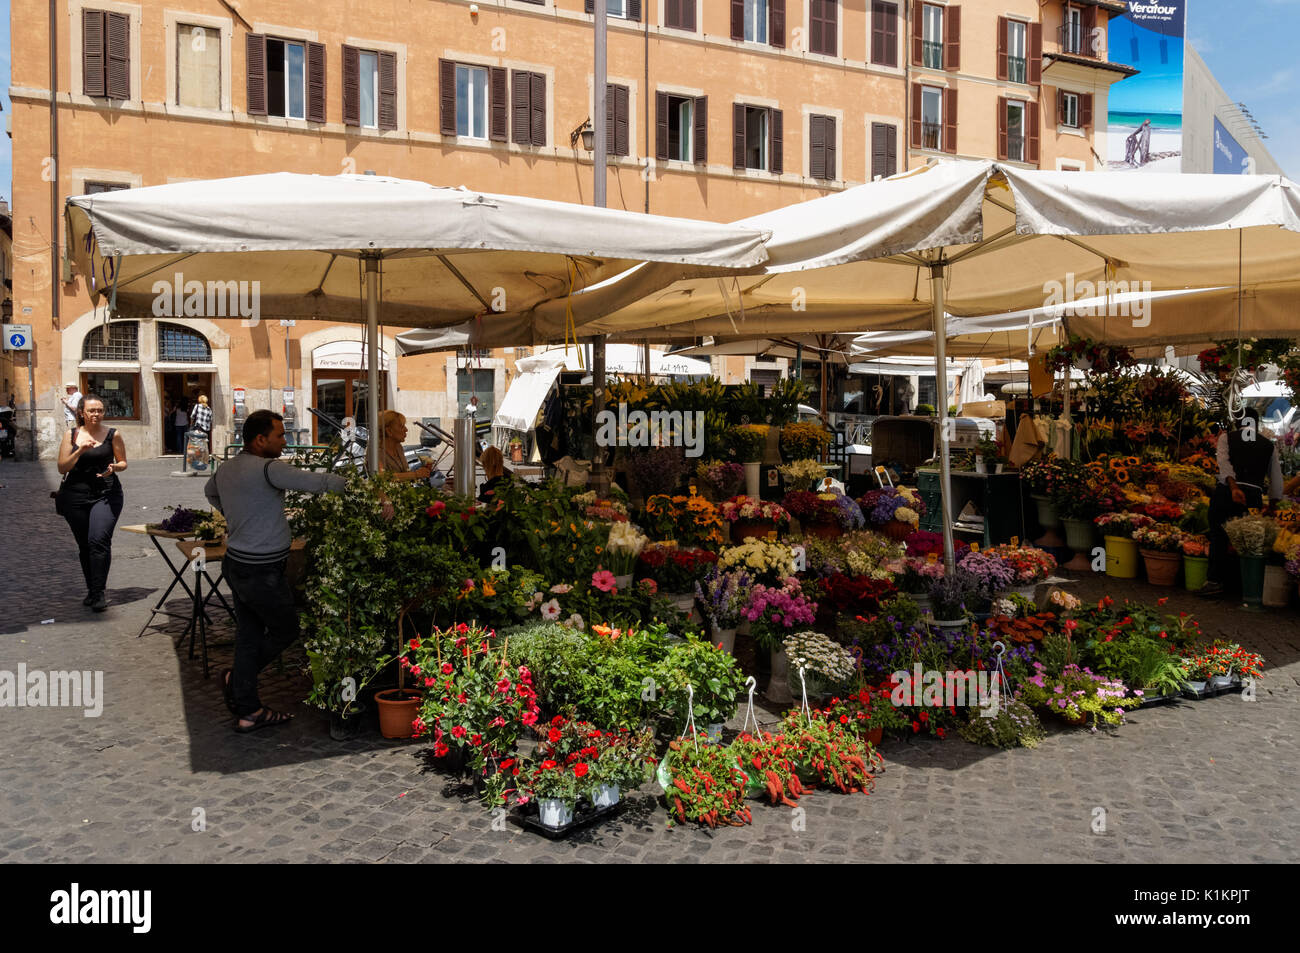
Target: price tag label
{"points": [[974, 547], [1015, 540], [932, 557]]}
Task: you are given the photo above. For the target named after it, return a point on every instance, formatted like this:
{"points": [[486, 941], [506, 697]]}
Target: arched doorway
{"points": [[339, 385], [184, 371]]}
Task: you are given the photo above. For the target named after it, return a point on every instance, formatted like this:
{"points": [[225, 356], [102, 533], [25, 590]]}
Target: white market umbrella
{"points": [[444, 256]]}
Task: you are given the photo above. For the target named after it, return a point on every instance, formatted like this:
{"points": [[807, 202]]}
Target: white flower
{"points": [[551, 610], [575, 621]]}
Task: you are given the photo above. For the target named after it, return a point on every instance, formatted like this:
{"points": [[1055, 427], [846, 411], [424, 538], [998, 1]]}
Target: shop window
{"points": [[119, 391], [180, 344], [118, 342]]}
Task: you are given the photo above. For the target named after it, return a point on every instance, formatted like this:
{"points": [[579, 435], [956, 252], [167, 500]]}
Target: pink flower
{"points": [[604, 580], [529, 718]]}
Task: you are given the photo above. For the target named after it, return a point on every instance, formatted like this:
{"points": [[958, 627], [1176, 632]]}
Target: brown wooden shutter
{"points": [[950, 121], [351, 86], [1034, 69], [823, 18], [673, 13], [952, 38], [1002, 127], [916, 115], [661, 126], [315, 82], [255, 67], [499, 129], [588, 6], [877, 149], [117, 58], [700, 121], [816, 148], [737, 19], [616, 120], [738, 136], [686, 19], [777, 138], [1060, 106], [776, 23], [1031, 133], [1003, 27], [877, 32], [918, 33], [538, 83], [891, 157], [1089, 28], [828, 124], [634, 10], [387, 90], [447, 97], [1085, 110], [521, 123], [92, 52]]}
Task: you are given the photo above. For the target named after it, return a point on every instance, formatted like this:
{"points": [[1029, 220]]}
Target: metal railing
{"points": [[1016, 148], [931, 135], [1074, 39], [1016, 69], [931, 54]]}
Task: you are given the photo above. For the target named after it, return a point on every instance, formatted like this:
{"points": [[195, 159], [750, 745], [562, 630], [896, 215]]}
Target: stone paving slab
{"points": [[1200, 782]]}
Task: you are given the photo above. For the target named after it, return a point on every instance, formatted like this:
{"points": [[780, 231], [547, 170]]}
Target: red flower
{"points": [[414, 643], [440, 750], [461, 699], [458, 731], [476, 740], [939, 732], [435, 510], [553, 736], [548, 764], [429, 683], [916, 726], [579, 770], [446, 668], [925, 716], [844, 719], [415, 670]]}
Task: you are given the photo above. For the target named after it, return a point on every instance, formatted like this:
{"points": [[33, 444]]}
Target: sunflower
{"points": [[1132, 462], [1121, 474]]}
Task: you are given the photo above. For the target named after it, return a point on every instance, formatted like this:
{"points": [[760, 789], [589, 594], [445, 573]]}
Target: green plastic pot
{"points": [[1195, 571], [1252, 581]]}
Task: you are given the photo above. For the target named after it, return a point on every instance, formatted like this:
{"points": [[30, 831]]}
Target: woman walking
{"points": [[92, 457]]}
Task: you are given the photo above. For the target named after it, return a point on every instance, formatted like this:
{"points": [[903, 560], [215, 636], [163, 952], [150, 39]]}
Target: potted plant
{"points": [[1161, 548], [803, 474], [1077, 695], [721, 479], [1201, 667], [750, 517], [988, 455], [1121, 550], [703, 783], [748, 443], [1196, 560], [1252, 536], [622, 763], [722, 594], [1044, 477], [773, 612], [948, 599], [714, 681], [555, 786], [1029, 564], [516, 450], [916, 577], [621, 551], [398, 707], [897, 511], [826, 665], [987, 576]]}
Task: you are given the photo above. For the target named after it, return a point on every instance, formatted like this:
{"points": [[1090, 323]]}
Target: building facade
{"points": [[715, 111]]}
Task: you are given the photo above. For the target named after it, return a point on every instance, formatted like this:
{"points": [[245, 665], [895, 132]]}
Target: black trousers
{"points": [[92, 526], [266, 623], [1222, 509]]}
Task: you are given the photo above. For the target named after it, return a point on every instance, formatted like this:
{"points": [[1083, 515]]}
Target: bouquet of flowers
{"points": [[690, 520], [674, 569], [1029, 563], [767, 562], [1162, 538], [747, 508], [774, 611], [748, 442], [816, 653], [595, 508], [1193, 544], [183, 520], [803, 474], [1045, 476], [1251, 535], [918, 575], [883, 505], [923, 542], [213, 526], [988, 575], [859, 595], [829, 507], [624, 546], [1122, 524], [723, 594], [801, 441], [867, 553], [723, 479]]}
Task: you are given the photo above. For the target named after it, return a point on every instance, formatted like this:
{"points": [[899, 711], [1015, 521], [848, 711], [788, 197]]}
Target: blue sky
{"points": [[1249, 45]]}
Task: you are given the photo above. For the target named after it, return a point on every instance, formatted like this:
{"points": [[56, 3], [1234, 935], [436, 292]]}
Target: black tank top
{"points": [[83, 485]]}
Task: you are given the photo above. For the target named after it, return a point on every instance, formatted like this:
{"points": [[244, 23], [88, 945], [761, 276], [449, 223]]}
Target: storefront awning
{"points": [[343, 356], [109, 367], [183, 367], [526, 395]]}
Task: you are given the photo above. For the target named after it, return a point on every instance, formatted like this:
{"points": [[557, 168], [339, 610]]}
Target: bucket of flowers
{"points": [[804, 440], [827, 514], [1161, 548], [1121, 549], [803, 474], [720, 479], [988, 576], [773, 613], [689, 520], [826, 665], [750, 517], [1030, 564], [1196, 560], [897, 511], [622, 549], [767, 562], [722, 594]]}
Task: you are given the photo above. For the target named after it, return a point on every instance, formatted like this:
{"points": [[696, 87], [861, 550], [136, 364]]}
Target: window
{"points": [[94, 188], [106, 54], [932, 118], [286, 78], [476, 382], [681, 127], [884, 150], [823, 25], [679, 14], [932, 42], [884, 33], [473, 100], [369, 88], [528, 108], [619, 9], [198, 66], [1072, 31], [180, 344], [1074, 110], [1070, 110], [758, 138], [1016, 51], [118, 342], [1015, 131], [119, 391], [821, 139], [758, 21], [616, 120]]}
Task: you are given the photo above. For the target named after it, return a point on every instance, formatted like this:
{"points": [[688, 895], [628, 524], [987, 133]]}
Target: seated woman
{"points": [[494, 468], [392, 456]]}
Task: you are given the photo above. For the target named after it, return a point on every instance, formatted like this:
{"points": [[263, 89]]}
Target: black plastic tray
{"points": [[584, 815]]}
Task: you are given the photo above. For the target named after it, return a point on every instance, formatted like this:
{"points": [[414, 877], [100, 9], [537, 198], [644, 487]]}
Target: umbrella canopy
{"points": [[628, 359], [814, 347], [448, 254]]}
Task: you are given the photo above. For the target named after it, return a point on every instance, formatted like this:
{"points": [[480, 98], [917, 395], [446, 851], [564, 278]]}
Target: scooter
{"points": [[8, 434]]}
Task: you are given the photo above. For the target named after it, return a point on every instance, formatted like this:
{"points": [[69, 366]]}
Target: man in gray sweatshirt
{"points": [[249, 491]]}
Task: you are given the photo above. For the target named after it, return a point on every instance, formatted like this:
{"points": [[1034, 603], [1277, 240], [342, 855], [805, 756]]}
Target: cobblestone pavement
{"points": [[1191, 782]]}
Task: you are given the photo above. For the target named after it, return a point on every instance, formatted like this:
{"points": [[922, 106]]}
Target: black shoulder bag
{"points": [[60, 501]]}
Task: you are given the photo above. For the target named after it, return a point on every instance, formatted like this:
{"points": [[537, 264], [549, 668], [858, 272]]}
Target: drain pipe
{"points": [[906, 131], [56, 270], [645, 97]]}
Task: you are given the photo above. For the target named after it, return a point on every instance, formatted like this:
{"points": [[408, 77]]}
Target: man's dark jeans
{"points": [[1223, 565], [266, 623]]}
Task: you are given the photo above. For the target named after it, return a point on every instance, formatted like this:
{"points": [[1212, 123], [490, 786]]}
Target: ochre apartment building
{"points": [[715, 111]]}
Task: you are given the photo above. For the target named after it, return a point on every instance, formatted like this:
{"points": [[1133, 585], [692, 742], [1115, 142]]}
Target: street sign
{"points": [[17, 337]]}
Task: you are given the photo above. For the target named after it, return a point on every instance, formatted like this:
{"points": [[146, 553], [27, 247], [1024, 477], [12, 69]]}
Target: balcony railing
{"points": [[1016, 69], [932, 55], [1016, 148], [931, 135], [1074, 39]]}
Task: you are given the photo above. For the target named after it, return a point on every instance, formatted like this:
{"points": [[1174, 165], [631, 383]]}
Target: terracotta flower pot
{"points": [[1162, 568], [742, 530], [824, 530], [876, 735], [397, 709], [897, 530]]}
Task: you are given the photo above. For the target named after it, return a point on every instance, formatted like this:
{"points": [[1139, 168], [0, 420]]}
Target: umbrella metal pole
{"points": [[599, 478], [372, 363], [941, 382]]}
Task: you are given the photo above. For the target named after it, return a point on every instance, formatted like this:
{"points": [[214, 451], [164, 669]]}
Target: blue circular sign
{"points": [[17, 340]]}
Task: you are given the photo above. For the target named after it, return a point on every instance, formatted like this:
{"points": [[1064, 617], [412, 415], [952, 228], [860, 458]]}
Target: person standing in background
{"points": [[180, 424], [201, 419], [71, 401]]}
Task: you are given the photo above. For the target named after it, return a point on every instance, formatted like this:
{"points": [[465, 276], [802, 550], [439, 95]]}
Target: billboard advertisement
{"points": [[1145, 112], [1229, 157]]}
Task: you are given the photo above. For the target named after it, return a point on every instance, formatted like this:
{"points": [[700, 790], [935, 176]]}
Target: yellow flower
{"points": [[488, 589]]}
